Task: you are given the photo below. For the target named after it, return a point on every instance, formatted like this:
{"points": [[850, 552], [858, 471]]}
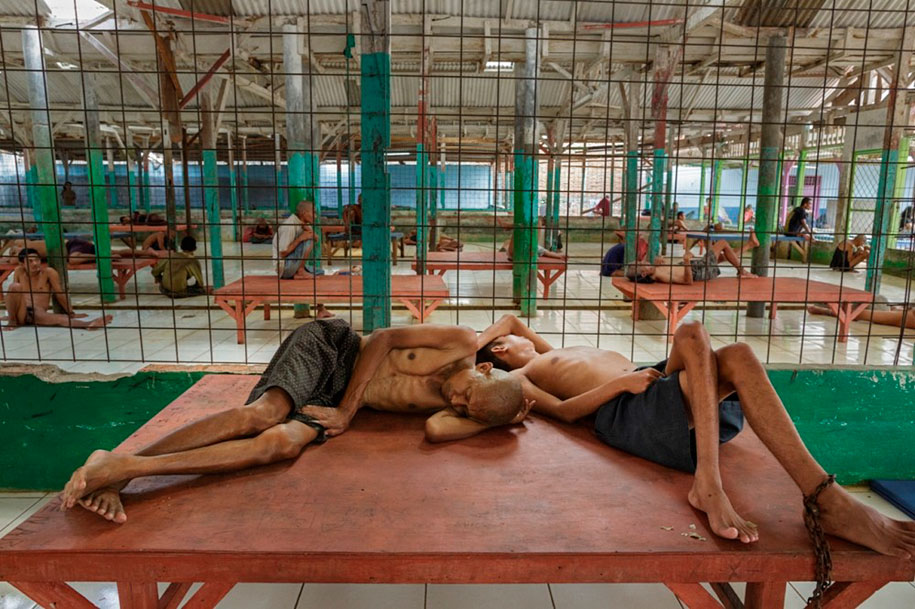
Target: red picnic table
{"points": [[548, 269], [122, 270], [541, 502], [674, 301], [421, 295]]}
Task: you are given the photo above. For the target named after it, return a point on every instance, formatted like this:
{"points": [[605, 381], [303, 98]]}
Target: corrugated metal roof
{"points": [[18, 8], [865, 13]]}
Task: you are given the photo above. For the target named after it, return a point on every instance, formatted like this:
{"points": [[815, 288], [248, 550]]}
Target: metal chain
{"points": [[820, 543]]}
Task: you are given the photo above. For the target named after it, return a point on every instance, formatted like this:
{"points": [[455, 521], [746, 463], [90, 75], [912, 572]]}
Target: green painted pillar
{"points": [[770, 145], [702, 190], [97, 190], [657, 202], [524, 267], [132, 185], [422, 220], [351, 174], [800, 177], [45, 179], [631, 204], [233, 189], [780, 188], [31, 178], [211, 188], [889, 188], [147, 194], [892, 230], [745, 174], [548, 208], [554, 243], [716, 191], [243, 174], [376, 184], [339, 183], [111, 176]]}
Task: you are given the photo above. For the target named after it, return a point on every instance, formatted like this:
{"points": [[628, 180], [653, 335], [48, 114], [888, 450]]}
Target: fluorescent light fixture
{"points": [[70, 9], [63, 65], [499, 66], [399, 154]]}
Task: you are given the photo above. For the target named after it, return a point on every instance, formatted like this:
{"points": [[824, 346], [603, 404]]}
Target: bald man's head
{"points": [[305, 210]]}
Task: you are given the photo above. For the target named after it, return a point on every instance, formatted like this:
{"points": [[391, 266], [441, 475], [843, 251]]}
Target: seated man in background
{"points": [[677, 412], [320, 376], [29, 297], [262, 232], [849, 254], [175, 272], [292, 246]]}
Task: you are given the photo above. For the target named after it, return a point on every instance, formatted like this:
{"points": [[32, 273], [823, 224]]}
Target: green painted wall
{"points": [[858, 423], [48, 429]]}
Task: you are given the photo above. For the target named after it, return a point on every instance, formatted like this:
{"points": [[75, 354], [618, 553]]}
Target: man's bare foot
{"points": [[843, 516], [747, 274], [302, 274], [101, 469], [106, 502], [99, 322], [754, 242], [723, 519]]}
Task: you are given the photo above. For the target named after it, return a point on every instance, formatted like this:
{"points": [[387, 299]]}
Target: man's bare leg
{"points": [[841, 515], [17, 301], [104, 468], [43, 318], [300, 272], [898, 317], [724, 249], [692, 353], [263, 413]]}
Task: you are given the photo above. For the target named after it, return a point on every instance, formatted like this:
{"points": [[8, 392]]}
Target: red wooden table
{"points": [[536, 503], [674, 301], [548, 269], [420, 294], [122, 270]]}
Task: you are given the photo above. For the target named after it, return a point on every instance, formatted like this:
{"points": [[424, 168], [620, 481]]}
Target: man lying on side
{"points": [[322, 366], [677, 412]]}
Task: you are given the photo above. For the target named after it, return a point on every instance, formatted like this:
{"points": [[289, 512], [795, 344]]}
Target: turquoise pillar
{"points": [[132, 187], [548, 229], [243, 174], [147, 194], [702, 190], [376, 186], [554, 244], [97, 191], [631, 198], [800, 177], [657, 203], [716, 191], [31, 178], [211, 190], [422, 221], [339, 186], [890, 189]]}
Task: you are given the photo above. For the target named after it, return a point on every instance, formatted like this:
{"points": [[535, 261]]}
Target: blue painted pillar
{"points": [[376, 186]]}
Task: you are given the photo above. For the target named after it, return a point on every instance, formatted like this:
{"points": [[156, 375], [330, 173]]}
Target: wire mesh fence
{"points": [[529, 151]]}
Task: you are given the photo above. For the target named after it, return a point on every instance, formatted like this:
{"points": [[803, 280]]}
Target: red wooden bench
{"points": [[548, 269], [122, 271], [421, 295], [379, 505], [675, 301]]}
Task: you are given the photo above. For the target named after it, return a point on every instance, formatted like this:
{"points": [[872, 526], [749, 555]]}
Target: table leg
{"points": [[765, 595], [846, 595], [693, 596], [138, 595], [240, 320], [773, 309], [673, 318], [53, 594]]}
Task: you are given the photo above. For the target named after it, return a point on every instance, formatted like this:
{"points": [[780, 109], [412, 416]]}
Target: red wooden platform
{"points": [[675, 301], [548, 269], [146, 228], [421, 295], [122, 271], [541, 502]]}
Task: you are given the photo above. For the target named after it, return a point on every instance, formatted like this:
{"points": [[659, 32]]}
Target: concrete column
{"points": [[211, 188], [717, 170], [185, 177], [30, 179], [376, 186], [351, 169], [892, 163], [340, 178], [663, 68], [525, 192], [243, 173], [45, 184], [846, 180], [111, 175], [702, 197], [233, 188], [770, 145], [631, 181], [97, 189]]}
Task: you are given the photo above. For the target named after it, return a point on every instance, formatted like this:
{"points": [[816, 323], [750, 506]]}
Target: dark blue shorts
{"points": [[654, 424]]}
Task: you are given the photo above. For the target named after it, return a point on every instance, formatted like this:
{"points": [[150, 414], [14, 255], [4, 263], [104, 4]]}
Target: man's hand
{"points": [[525, 410], [335, 422], [640, 380]]}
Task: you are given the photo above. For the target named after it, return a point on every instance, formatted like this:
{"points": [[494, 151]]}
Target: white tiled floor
{"points": [[194, 330], [16, 507]]}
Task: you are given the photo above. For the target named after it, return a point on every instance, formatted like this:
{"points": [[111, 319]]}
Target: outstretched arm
{"points": [[509, 324], [447, 425], [451, 343], [574, 408]]}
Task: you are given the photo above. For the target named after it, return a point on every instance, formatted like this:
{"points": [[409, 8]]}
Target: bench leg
{"points": [[53, 594], [240, 321], [138, 595], [266, 311], [693, 596], [773, 309], [765, 595]]}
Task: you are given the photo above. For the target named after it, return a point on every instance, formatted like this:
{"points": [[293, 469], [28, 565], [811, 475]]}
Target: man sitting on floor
{"points": [[29, 297], [677, 412], [292, 246], [174, 273], [324, 368]]}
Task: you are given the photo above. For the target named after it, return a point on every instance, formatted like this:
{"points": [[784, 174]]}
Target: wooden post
{"points": [[237, 232], [211, 187]]}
